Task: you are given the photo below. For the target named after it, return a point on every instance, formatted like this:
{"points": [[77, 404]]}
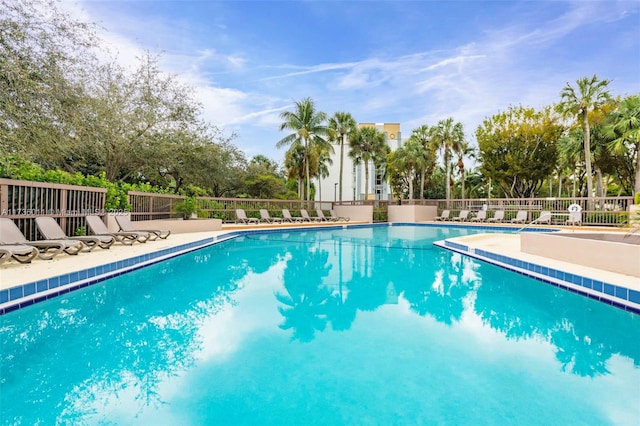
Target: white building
{"points": [[353, 178]]}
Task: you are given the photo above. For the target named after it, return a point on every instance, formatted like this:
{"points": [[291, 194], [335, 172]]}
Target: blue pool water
{"points": [[370, 325]]}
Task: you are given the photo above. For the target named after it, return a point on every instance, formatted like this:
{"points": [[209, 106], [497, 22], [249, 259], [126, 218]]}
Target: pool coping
{"points": [[612, 294], [24, 295]]}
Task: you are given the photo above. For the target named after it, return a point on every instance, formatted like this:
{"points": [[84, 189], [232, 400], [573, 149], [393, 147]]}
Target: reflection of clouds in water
{"points": [[219, 333], [224, 333]]}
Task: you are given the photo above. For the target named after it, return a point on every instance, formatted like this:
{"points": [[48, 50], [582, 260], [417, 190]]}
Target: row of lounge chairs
{"points": [[265, 217], [14, 245], [545, 217]]}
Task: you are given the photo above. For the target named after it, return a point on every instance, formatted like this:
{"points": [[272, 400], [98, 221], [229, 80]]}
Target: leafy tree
{"points": [[590, 93], [367, 145], [308, 126], [44, 57], [342, 124], [518, 149], [446, 136]]}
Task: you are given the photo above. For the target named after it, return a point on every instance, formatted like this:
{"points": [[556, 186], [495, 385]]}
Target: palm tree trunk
{"points": [[341, 164], [448, 175], [636, 187], [587, 155], [306, 161], [422, 177], [366, 180]]}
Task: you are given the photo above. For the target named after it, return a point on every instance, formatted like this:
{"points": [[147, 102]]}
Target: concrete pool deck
{"points": [[30, 282]]}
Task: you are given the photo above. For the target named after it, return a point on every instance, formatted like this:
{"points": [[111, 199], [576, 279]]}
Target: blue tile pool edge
{"points": [[37, 291], [611, 294]]}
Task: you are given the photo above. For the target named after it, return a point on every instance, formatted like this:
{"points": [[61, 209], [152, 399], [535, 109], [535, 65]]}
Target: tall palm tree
{"points": [[367, 144], [624, 130], [321, 159], [447, 135], [463, 150], [343, 124], [308, 125], [427, 155], [294, 162], [591, 93], [407, 160]]}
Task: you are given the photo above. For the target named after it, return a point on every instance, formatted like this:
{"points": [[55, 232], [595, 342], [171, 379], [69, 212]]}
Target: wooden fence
{"points": [[23, 201]]}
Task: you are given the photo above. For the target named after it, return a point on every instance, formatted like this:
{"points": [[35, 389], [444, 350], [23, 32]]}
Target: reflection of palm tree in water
{"points": [[442, 295], [151, 335], [306, 298], [543, 312]]}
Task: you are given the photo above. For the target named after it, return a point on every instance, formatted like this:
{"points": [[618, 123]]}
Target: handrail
{"points": [[546, 216]]}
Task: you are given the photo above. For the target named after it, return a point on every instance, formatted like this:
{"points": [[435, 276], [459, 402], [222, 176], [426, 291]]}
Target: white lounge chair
{"points": [[444, 216], [322, 217], [575, 218], [339, 218], [305, 216], [498, 217], [19, 252], [545, 217], [521, 217], [481, 216], [286, 217], [462, 216]]}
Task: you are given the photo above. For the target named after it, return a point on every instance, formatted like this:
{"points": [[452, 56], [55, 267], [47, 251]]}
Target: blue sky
{"points": [[412, 62]]}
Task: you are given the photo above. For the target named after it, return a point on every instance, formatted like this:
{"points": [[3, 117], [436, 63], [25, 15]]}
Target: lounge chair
{"points": [[339, 218], [498, 217], [266, 217], [125, 224], [286, 217], [462, 216], [322, 217], [97, 227], [306, 217], [241, 217], [20, 252], [521, 217], [444, 216], [50, 230], [481, 216], [10, 234], [575, 218], [545, 217]]}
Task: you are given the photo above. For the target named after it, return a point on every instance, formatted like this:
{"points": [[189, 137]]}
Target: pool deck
{"points": [[22, 284]]}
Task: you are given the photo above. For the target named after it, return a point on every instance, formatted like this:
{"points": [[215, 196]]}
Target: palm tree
{"points": [[309, 126], [321, 159], [343, 124], [447, 135], [590, 94], [294, 161], [427, 155], [367, 144], [407, 160], [624, 130], [463, 150]]}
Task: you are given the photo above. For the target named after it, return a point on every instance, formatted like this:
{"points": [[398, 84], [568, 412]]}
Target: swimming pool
{"points": [[370, 325]]}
